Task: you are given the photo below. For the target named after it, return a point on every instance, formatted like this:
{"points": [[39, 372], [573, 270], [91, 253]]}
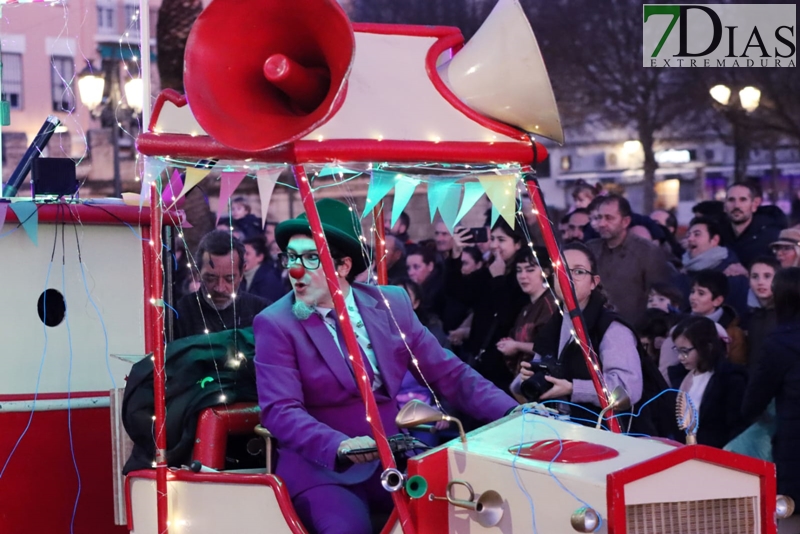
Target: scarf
{"points": [[707, 260]]}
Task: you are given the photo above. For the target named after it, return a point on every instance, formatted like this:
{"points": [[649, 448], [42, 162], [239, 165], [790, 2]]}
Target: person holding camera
{"points": [[558, 369]]}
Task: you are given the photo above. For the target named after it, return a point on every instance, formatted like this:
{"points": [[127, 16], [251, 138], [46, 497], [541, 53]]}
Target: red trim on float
{"points": [[183, 475], [431, 517], [616, 482], [167, 95], [442, 45], [179, 145], [17, 397], [406, 29], [114, 214]]}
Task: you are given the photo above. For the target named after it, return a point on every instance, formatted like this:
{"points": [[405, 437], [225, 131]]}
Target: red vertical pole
{"points": [[565, 282], [159, 375], [353, 350], [380, 244]]}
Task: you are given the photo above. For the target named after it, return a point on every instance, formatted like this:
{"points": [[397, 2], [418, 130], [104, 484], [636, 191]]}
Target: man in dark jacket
{"points": [[750, 230], [217, 305]]}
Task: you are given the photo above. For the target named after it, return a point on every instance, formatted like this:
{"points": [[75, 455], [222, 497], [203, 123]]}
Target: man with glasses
{"points": [[307, 388], [217, 305]]}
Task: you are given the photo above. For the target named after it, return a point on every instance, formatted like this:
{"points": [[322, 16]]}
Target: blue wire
{"points": [[177, 315], [550, 471], [102, 324], [38, 376], [69, 401], [516, 475]]}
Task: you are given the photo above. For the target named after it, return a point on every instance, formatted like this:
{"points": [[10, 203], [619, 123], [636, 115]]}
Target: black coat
{"points": [[777, 376], [755, 240], [267, 283], [721, 417]]}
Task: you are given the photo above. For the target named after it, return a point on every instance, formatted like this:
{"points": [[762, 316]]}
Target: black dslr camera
{"points": [[535, 386]]}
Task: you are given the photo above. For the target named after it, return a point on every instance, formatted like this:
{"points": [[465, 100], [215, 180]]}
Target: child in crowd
{"points": [[243, 219], [715, 385], [665, 297], [654, 329], [760, 319], [707, 299]]}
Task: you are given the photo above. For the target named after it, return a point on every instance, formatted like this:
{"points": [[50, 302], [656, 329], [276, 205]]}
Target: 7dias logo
{"points": [[719, 35]]}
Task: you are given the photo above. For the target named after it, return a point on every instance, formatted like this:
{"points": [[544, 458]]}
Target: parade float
{"points": [[298, 86]]}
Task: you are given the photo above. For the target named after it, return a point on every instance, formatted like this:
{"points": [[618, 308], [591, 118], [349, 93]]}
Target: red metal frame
{"points": [[565, 282], [281, 493], [104, 214], [357, 359], [16, 397], [159, 373], [615, 485]]}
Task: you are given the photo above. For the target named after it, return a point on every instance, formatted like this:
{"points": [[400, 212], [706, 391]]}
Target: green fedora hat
{"points": [[341, 226]]}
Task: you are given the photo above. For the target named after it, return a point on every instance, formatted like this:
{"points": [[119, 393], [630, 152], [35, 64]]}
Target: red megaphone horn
{"points": [[263, 73]]}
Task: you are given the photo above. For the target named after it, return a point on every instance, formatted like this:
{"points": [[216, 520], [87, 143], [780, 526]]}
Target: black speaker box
{"points": [[54, 177]]}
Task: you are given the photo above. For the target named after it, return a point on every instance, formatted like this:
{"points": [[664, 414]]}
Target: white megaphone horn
{"points": [[500, 73]]}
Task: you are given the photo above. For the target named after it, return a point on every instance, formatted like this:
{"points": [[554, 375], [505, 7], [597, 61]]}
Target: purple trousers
{"points": [[335, 509]]}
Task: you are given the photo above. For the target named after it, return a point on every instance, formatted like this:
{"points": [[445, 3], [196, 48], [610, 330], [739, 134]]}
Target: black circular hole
{"points": [[51, 307]]}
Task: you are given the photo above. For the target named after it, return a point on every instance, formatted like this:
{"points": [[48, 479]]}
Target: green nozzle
{"points": [[416, 487]]}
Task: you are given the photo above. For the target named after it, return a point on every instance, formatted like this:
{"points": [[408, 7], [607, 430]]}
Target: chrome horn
{"points": [[488, 507], [392, 480]]}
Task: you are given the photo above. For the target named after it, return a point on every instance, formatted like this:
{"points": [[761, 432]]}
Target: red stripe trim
{"points": [[113, 214], [406, 29], [367, 150], [21, 397], [184, 475]]}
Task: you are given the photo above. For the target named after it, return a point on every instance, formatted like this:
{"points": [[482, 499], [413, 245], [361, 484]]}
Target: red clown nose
{"points": [[297, 272]]}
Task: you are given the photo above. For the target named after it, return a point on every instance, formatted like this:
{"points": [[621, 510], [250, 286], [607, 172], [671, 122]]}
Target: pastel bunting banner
{"points": [[228, 182], [266, 179], [330, 171], [448, 205], [3, 211], [495, 216], [28, 216], [473, 191], [437, 192], [193, 177], [153, 168], [502, 191], [403, 191], [379, 185], [172, 191]]}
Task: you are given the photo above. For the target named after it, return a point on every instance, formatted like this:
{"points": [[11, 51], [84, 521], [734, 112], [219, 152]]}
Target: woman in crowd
{"points": [[616, 345], [535, 314], [714, 385], [493, 296], [760, 319], [424, 271], [787, 247], [777, 376], [471, 261]]}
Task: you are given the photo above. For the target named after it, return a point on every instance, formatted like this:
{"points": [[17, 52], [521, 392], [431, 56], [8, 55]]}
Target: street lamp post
{"points": [[102, 96], [735, 111]]}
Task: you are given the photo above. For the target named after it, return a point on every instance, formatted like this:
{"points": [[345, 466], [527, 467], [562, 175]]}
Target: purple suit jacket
{"points": [[308, 394]]}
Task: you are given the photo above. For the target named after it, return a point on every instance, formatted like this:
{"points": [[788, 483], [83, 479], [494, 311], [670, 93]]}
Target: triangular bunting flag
{"points": [[153, 167], [267, 178], [228, 182], [28, 216], [473, 191], [379, 185], [403, 191], [448, 206], [3, 210], [502, 191], [193, 177], [172, 191], [495, 216], [330, 171], [437, 191]]}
